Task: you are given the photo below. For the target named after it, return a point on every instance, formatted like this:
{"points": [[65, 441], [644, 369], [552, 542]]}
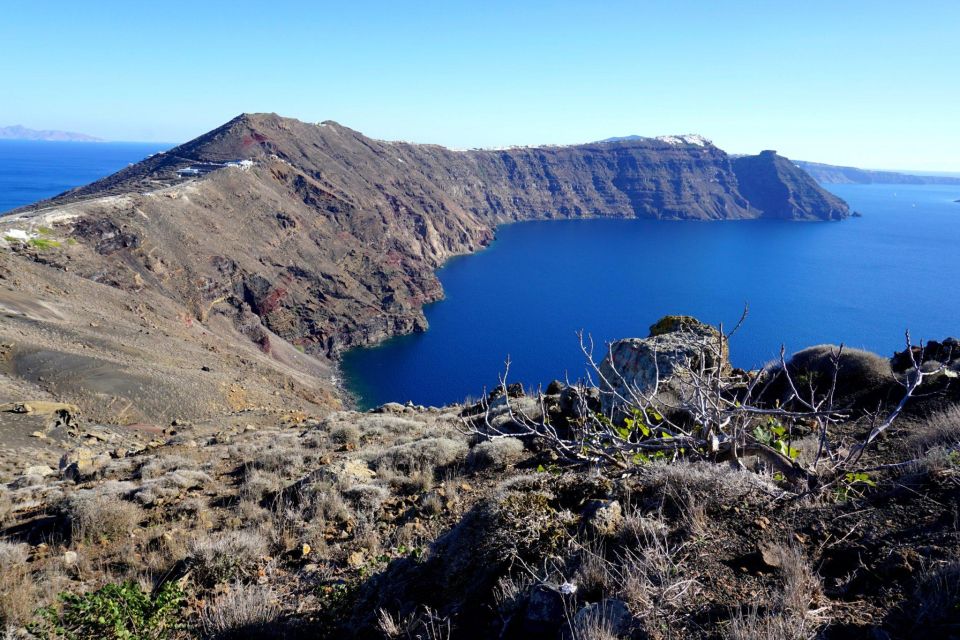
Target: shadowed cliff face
{"points": [[318, 236], [781, 190]]}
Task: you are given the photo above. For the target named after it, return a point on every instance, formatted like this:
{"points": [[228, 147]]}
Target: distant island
{"points": [[830, 174], [18, 132]]}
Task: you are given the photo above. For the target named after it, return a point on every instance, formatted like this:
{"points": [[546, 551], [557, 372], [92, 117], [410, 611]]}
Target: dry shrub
{"points": [[366, 497], [258, 484], [327, 503], [383, 425], [421, 454], [96, 516], [278, 460], [227, 556], [594, 623], [345, 435], [161, 465], [244, 611], [6, 506], [594, 574], [790, 617], [170, 486], [648, 578], [941, 429], [935, 603], [496, 454], [17, 588], [704, 483]]}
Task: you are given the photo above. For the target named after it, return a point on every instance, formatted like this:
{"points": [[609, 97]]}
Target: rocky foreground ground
{"points": [[407, 522]]}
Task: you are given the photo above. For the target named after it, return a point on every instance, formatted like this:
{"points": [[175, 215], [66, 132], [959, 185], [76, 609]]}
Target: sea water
{"points": [[863, 282]]}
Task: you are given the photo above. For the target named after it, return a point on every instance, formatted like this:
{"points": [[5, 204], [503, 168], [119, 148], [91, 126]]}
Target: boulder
{"points": [[545, 611], [676, 343], [933, 352], [82, 464], [603, 517], [390, 407], [41, 470]]}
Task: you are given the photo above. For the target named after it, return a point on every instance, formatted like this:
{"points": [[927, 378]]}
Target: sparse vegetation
{"points": [[114, 612], [244, 611], [95, 517], [390, 523], [227, 556]]}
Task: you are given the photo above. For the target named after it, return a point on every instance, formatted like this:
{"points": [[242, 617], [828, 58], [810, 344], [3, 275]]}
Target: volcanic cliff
{"points": [[316, 236]]}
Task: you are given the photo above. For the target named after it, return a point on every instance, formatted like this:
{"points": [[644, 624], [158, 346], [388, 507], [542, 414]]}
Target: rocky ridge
{"points": [[308, 239]]}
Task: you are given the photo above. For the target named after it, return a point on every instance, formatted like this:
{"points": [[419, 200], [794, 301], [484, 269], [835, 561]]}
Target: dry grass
{"points": [[96, 516], [935, 602], [421, 454], [17, 587], [941, 429], [791, 616], [244, 610], [496, 454], [227, 556]]}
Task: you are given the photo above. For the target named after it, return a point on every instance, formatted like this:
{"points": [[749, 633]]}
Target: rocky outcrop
{"points": [[782, 190], [637, 365]]}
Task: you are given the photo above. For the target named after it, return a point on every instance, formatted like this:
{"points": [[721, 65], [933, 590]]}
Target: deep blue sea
{"points": [[31, 171], [862, 281]]}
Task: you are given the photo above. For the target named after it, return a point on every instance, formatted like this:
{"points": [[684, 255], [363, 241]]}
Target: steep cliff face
{"points": [[780, 189], [330, 239]]}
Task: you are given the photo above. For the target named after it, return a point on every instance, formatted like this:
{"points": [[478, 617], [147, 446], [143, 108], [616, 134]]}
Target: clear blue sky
{"points": [[871, 84]]}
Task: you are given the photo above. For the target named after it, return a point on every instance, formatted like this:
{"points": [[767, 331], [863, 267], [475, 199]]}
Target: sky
{"points": [[870, 84]]}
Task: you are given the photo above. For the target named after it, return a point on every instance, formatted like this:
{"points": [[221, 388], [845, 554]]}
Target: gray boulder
{"points": [[675, 344], [603, 517], [82, 464]]}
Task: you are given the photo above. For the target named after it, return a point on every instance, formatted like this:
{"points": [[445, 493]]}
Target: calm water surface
{"points": [[862, 282], [31, 171]]}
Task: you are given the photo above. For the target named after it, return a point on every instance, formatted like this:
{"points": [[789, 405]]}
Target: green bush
{"points": [[114, 612], [43, 243]]}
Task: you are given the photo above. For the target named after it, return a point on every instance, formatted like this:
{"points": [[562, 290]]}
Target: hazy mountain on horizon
{"points": [[833, 174], [18, 132]]}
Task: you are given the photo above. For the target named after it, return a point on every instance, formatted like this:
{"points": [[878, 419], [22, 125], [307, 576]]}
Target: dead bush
{"points": [[278, 460], [681, 484], [227, 556], [345, 435], [17, 588], [244, 611], [161, 465], [366, 497], [496, 454], [649, 580], [934, 606], [6, 506], [941, 429], [170, 486], [258, 484], [790, 616], [420, 454], [95, 516]]}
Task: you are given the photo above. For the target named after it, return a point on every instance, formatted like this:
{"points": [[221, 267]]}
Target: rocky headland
{"points": [[278, 244]]}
